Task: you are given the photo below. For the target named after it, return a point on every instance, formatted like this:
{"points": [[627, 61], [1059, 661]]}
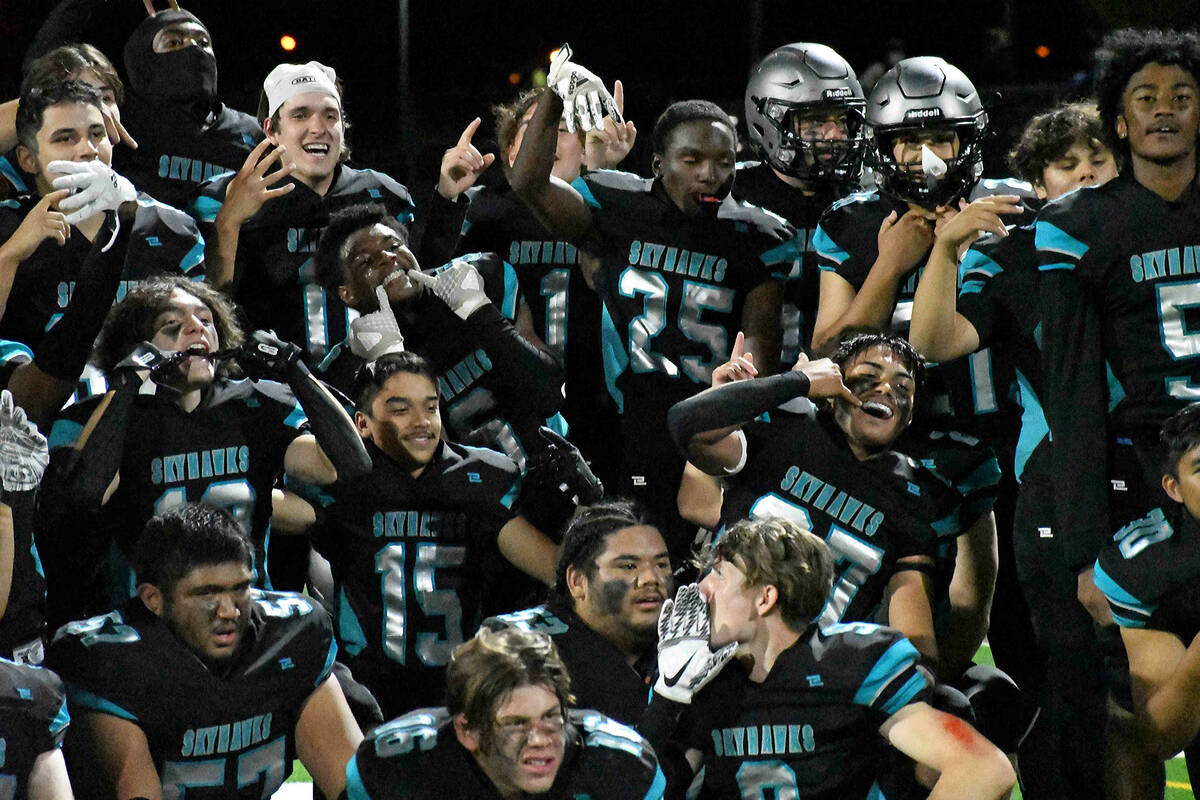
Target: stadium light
{"points": [[287, 42]]}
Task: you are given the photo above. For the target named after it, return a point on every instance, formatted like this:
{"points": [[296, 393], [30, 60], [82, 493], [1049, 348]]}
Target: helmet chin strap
{"points": [[932, 167]]}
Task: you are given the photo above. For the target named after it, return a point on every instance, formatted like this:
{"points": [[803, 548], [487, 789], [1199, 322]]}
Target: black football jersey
{"points": [[1150, 574], [164, 241], [998, 281], [601, 678], [210, 735], [758, 185], [228, 452], [412, 559], [1120, 302], [33, 720], [967, 389], [275, 280], [12, 355], [177, 152], [418, 757], [811, 729], [480, 405], [19, 181], [22, 626], [871, 513]]}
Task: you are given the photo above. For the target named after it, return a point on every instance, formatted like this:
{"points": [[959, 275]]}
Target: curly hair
{"points": [[508, 117], [1048, 136], [1124, 52], [343, 224], [131, 321], [854, 345]]}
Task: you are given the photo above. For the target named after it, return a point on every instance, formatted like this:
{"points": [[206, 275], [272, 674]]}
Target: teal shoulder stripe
{"points": [[558, 424], [911, 688], [1053, 239], [511, 495], [193, 257], [350, 631], [658, 787], [296, 417], [61, 720], [10, 350], [1055, 267], [616, 360], [1033, 424], [827, 248], [14, 177], [64, 433], [86, 699], [1116, 392], [970, 287], [354, 785], [975, 261], [329, 659], [1112, 590], [894, 661], [1127, 610], [205, 208], [585, 191], [784, 253], [509, 309]]}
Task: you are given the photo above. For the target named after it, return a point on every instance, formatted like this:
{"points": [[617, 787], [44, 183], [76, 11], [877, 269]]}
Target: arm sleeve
{"points": [[330, 423], [975, 299], [1076, 411], [732, 404], [68, 344], [436, 232], [78, 475], [535, 375]]}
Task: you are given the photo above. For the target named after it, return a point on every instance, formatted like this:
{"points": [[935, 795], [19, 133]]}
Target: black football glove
{"points": [[561, 466], [265, 355], [144, 360]]}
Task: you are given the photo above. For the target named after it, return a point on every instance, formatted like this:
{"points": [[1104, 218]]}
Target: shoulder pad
{"points": [[767, 222], [538, 618], [616, 179], [854, 198], [416, 730]]}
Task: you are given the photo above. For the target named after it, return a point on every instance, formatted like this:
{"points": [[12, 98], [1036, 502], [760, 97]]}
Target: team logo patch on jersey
{"points": [[153, 241], [1044, 532], [286, 663], [375, 195], [814, 680], [914, 489], [473, 477], [24, 694]]}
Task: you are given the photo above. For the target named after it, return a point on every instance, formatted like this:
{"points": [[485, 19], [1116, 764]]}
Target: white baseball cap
{"points": [[288, 80]]}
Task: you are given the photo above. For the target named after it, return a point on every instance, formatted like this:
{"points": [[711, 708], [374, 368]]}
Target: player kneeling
{"points": [[505, 732]]}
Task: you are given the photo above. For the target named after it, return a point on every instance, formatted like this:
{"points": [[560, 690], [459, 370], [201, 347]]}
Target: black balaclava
{"points": [[187, 76]]}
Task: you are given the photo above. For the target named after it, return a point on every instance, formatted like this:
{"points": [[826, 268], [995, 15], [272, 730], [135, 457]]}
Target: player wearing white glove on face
{"points": [[686, 662], [583, 94], [23, 451], [459, 285], [377, 333]]}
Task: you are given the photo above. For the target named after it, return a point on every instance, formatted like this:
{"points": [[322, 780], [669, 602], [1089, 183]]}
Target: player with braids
{"points": [[612, 577]]}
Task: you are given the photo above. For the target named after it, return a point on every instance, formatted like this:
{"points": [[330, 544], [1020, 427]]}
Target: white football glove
{"points": [[23, 451], [459, 285], [376, 334], [686, 663], [97, 188], [583, 94]]}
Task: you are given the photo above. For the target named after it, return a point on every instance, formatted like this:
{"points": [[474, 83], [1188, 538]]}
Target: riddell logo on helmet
{"points": [[304, 79], [922, 113], [834, 94]]}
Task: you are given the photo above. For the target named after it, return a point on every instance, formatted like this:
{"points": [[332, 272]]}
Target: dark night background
{"points": [[461, 54]]}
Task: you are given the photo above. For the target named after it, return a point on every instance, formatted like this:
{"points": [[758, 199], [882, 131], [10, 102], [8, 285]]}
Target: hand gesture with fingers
{"points": [[739, 367], [904, 240], [251, 186], [984, 215], [606, 146], [825, 380], [44, 221], [462, 164], [116, 131]]}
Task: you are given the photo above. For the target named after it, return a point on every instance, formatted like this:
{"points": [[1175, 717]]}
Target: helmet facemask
{"points": [[910, 183], [813, 158]]}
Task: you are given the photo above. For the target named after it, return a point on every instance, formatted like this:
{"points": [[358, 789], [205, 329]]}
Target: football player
{"points": [[500, 381], [546, 267], [805, 710], [804, 114], [201, 686], [507, 731], [416, 545], [1148, 574], [65, 146], [683, 266], [613, 575], [263, 227], [1058, 152], [174, 425]]}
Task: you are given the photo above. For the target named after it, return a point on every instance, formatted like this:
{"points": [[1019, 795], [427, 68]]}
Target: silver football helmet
{"points": [[921, 94], [786, 97]]}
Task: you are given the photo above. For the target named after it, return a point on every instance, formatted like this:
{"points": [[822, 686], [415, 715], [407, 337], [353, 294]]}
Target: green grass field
{"points": [[1178, 787]]}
